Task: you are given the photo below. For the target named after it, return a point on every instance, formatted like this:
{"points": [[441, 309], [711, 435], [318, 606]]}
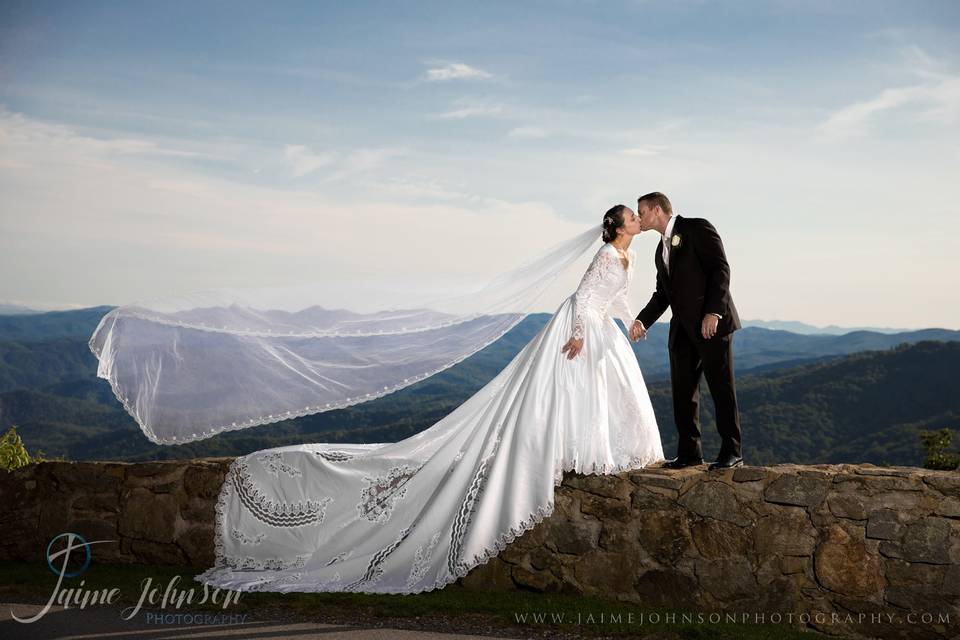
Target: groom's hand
{"points": [[573, 347], [637, 331], [708, 328]]}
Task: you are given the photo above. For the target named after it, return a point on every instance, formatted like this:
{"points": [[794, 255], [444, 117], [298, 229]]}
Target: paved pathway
{"points": [[106, 622]]}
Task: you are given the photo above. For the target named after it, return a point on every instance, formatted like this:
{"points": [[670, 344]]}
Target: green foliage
{"points": [[13, 454], [935, 446]]}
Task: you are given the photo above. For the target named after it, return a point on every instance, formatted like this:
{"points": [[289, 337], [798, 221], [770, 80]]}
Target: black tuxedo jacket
{"points": [[698, 282]]}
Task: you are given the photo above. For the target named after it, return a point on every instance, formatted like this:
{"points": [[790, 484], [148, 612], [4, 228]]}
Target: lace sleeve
{"points": [[599, 269]]}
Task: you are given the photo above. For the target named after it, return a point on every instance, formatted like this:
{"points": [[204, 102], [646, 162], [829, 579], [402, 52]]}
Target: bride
{"points": [[415, 515]]}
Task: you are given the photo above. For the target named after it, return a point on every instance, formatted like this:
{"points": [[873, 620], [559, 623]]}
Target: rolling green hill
{"points": [[866, 407], [51, 324], [803, 397]]}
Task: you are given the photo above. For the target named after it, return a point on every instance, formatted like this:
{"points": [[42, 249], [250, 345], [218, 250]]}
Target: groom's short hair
{"points": [[656, 198]]}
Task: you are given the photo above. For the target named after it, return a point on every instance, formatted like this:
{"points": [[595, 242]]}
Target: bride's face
{"points": [[631, 222]]}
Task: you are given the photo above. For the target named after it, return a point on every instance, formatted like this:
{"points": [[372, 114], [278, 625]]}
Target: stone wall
{"points": [[799, 539], [159, 512]]}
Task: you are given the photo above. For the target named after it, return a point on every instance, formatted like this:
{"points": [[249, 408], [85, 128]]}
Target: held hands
{"points": [[574, 346], [708, 328], [637, 331]]}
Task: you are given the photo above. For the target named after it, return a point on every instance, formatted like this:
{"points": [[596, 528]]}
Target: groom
{"points": [[693, 278]]}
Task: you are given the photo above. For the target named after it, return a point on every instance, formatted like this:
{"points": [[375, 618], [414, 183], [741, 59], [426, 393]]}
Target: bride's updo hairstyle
{"points": [[612, 220]]}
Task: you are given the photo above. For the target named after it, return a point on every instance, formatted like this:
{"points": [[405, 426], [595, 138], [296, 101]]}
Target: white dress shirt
{"points": [[666, 242]]}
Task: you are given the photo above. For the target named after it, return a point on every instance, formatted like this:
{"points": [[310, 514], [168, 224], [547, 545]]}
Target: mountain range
{"points": [[808, 329]]}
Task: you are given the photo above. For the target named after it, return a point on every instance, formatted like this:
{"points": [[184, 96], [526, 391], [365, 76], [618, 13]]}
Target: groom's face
{"points": [[646, 215]]}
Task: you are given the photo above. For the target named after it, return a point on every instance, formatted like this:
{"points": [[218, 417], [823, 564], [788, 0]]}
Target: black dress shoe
{"points": [[680, 463], [726, 462]]}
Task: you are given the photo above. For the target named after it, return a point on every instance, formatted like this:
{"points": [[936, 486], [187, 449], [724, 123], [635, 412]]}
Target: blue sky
{"points": [[149, 148]]}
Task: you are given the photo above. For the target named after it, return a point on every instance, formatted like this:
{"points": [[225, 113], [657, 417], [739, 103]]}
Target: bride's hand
{"points": [[574, 345]]}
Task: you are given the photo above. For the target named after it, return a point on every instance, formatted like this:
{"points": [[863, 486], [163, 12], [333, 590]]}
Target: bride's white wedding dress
{"points": [[415, 515]]}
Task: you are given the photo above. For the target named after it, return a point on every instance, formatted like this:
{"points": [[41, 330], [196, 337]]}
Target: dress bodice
{"points": [[603, 289]]}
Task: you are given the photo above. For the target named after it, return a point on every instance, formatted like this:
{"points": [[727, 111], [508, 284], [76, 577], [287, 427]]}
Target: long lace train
{"points": [[416, 515]]}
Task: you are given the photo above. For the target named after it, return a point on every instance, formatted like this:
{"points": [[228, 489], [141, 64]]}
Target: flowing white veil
{"points": [[189, 367]]}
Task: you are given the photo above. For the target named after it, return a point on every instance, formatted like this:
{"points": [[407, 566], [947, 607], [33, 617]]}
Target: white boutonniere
{"points": [[675, 241]]}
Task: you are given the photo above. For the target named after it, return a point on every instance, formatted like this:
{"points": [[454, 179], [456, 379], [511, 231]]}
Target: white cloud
{"points": [[303, 161], [428, 189], [456, 71], [527, 132], [935, 99], [16, 129], [938, 101], [98, 228], [364, 160], [647, 150], [920, 61], [473, 110]]}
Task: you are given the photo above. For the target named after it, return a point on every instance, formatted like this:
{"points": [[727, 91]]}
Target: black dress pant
{"points": [[689, 360]]}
